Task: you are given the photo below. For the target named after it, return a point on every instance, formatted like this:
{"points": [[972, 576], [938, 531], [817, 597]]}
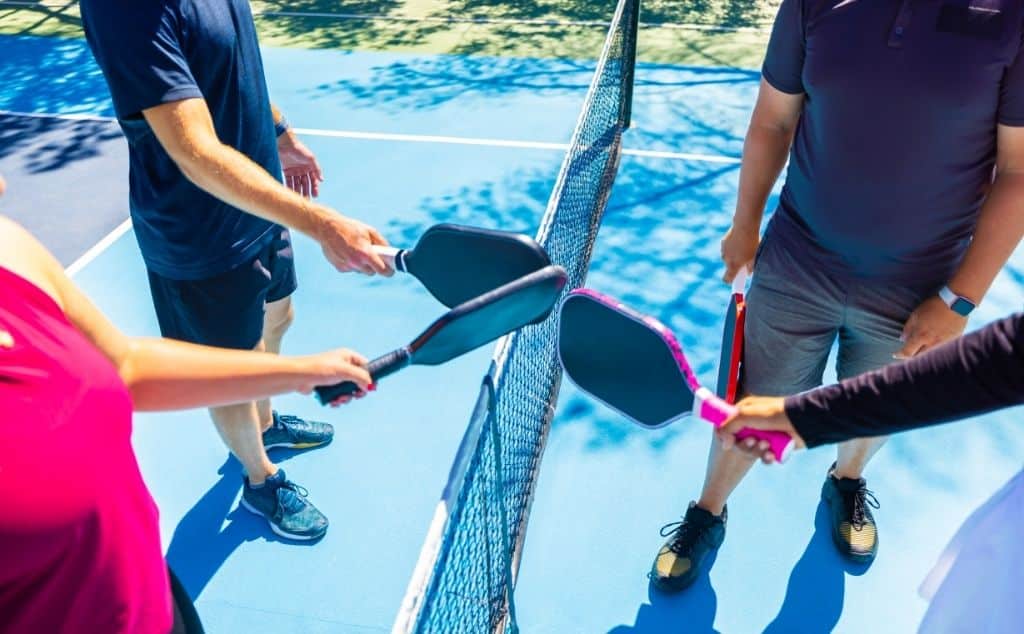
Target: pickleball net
{"points": [[465, 576]]}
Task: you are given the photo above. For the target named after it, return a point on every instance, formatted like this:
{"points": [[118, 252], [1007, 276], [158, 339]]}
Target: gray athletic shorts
{"points": [[796, 311]]}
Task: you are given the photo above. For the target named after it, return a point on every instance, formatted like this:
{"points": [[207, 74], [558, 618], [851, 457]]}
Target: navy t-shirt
{"points": [[158, 51], [896, 145]]}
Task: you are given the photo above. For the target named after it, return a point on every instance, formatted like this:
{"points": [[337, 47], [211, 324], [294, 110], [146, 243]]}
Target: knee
{"points": [[279, 321]]}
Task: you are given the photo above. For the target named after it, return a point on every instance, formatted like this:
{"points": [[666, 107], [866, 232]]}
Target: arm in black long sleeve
{"points": [[977, 373]]}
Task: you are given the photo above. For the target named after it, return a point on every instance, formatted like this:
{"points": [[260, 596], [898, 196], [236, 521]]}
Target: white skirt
{"points": [[976, 586]]}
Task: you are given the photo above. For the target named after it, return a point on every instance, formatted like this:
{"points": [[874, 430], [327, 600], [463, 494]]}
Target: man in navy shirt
{"points": [[207, 155], [894, 115]]}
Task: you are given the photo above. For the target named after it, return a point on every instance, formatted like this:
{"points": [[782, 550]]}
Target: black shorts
{"points": [[226, 310], [186, 619]]}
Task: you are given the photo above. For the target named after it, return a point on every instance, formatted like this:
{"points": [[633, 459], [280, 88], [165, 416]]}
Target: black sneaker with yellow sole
{"points": [[853, 526], [691, 540]]}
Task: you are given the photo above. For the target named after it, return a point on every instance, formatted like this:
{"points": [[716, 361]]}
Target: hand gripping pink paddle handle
{"points": [[716, 411]]}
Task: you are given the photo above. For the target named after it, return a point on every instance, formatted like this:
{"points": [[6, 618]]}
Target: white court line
{"points": [[446, 140], [98, 248], [528, 145], [125, 226]]}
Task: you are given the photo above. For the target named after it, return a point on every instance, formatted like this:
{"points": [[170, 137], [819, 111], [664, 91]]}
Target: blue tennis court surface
{"points": [[408, 141]]}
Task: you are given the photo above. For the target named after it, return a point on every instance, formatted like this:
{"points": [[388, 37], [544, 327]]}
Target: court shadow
{"points": [[817, 585], [50, 74], [214, 527], [38, 145], [506, 28], [689, 612]]}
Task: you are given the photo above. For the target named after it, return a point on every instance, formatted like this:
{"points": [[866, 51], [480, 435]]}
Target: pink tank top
{"points": [[79, 537]]}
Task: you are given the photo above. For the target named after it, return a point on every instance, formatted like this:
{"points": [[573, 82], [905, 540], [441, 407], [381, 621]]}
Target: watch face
{"points": [[962, 307]]}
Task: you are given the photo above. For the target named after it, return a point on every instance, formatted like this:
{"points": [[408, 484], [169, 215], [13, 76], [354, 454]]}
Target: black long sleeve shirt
{"points": [[977, 373]]}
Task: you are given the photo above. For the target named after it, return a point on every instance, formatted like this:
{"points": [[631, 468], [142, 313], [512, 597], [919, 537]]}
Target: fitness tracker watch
{"points": [[959, 305]]}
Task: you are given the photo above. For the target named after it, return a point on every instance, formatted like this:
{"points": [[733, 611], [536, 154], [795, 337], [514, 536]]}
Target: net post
{"points": [[633, 34]]}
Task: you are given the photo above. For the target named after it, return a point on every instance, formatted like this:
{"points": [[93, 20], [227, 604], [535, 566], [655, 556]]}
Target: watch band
{"points": [[281, 126], [958, 304]]}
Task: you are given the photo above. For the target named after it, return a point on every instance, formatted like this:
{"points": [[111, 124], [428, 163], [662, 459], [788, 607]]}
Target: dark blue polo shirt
{"points": [[158, 51], [897, 141]]}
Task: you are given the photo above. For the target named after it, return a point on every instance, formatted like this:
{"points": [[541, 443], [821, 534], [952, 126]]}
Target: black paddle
{"points": [[468, 326], [456, 263]]}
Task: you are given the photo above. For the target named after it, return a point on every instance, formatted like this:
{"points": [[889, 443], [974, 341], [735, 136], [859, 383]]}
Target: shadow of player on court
{"points": [[817, 585], [216, 526], [689, 612]]}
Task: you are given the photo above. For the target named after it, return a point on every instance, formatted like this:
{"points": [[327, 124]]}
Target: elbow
{"points": [[196, 161], [127, 367]]}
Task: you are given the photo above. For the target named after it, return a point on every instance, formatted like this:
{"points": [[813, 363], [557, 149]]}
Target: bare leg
{"points": [[239, 426], [726, 469], [276, 321], [853, 455]]}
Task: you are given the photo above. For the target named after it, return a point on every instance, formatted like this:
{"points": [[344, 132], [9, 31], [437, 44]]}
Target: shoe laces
{"points": [[683, 535], [862, 499], [295, 497]]}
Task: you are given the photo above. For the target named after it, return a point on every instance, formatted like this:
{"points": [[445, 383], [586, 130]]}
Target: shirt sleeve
{"points": [[1011, 93], [978, 373], [784, 61], [141, 53]]}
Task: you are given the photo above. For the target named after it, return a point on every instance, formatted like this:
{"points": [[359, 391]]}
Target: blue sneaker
{"points": [[292, 432], [285, 507]]}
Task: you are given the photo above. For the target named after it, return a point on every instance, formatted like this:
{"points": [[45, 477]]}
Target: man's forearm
{"points": [[998, 232], [764, 156], [229, 175]]}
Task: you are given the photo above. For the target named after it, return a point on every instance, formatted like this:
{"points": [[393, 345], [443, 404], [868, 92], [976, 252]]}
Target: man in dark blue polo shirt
{"points": [[207, 155], [894, 115]]}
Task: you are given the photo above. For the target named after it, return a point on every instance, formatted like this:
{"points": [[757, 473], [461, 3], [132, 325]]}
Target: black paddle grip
{"points": [[378, 369]]}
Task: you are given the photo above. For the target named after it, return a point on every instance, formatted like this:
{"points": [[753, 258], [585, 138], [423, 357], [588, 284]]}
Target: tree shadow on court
{"points": [[523, 28], [691, 96], [51, 75], [689, 612], [46, 144], [817, 585], [37, 17], [215, 527], [657, 250]]}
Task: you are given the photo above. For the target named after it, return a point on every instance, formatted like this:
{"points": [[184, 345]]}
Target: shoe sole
{"points": [[669, 587], [841, 545], [298, 445], [274, 527]]}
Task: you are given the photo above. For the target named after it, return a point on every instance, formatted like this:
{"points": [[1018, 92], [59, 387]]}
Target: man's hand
{"points": [[758, 412], [739, 246], [302, 173], [348, 245], [932, 324]]}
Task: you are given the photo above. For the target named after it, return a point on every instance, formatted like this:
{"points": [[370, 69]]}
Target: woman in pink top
{"points": [[79, 538]]}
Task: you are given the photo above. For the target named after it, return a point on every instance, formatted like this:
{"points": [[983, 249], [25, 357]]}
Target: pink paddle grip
{"points": [[716, 411]]}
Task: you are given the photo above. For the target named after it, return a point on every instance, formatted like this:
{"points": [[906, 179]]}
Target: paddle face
{"points": [[457, 264], [525, 301], [630, 362]]}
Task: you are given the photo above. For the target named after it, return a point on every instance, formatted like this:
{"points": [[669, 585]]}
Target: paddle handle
{"points": [[739, 283], [392, 256], [378, 368], [716, 411]]}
